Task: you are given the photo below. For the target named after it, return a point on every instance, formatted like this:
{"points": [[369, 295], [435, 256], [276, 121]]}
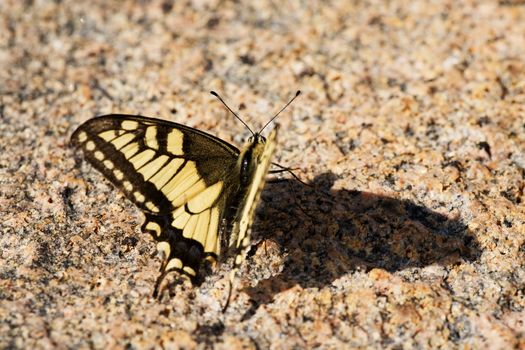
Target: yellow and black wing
{"points": [[182, 178]]}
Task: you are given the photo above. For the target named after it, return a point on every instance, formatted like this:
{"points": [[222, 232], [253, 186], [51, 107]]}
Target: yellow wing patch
{"points": [[175, 138], [122, 141], [201, 226], [205, 198], [130, 125], [153, 167], [151, 138], [164, 174]]}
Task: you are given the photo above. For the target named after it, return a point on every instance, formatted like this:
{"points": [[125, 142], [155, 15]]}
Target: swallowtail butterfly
{"points": [[198, 193]]}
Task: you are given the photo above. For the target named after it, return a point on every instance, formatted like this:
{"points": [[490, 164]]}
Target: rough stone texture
{"points": [[411, 130]]}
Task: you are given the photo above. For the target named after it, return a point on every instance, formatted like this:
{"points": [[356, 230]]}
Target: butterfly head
{"points": [[257, 138]]}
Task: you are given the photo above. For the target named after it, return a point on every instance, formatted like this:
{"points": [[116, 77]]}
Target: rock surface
{"points": [[410, 129]]}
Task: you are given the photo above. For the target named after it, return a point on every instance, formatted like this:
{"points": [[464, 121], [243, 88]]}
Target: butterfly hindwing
{"points": [[183, 253]]}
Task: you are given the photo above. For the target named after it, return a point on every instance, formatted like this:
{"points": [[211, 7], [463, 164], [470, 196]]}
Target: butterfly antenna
{"points": [[235, 114], [282, 109]]}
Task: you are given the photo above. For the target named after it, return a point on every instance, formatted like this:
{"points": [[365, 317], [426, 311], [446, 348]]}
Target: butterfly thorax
{"points": [[249, 158]]}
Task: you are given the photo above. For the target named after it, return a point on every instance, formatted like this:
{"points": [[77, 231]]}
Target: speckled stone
{"points": [[410, 131]]}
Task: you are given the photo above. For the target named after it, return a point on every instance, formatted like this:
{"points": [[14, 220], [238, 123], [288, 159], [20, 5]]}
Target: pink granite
{"points": [[410, 129]]}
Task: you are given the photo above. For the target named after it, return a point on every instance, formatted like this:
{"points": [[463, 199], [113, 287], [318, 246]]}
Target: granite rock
{"points": [[410, 132]]}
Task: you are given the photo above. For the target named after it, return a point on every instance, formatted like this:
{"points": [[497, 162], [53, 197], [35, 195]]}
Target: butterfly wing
{"points": [[182, 179]]}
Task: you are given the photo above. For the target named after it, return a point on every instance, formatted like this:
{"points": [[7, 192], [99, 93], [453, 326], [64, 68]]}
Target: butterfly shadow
{"points": [[323, 234]]}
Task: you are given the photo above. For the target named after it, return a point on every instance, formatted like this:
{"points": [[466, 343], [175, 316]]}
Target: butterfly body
{"points": [[198, 193]]}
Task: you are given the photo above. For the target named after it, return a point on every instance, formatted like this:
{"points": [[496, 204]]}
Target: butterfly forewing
{"points": [[158, 165]]}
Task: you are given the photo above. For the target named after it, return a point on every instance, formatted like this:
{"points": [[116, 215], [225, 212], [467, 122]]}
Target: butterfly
{"points": [[198, 193]]}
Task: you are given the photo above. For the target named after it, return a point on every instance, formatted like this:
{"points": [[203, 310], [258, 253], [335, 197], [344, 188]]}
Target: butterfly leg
{"points": [[158, 282], [163, 273], [239, 259], [231, 280], [288, 170]]}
